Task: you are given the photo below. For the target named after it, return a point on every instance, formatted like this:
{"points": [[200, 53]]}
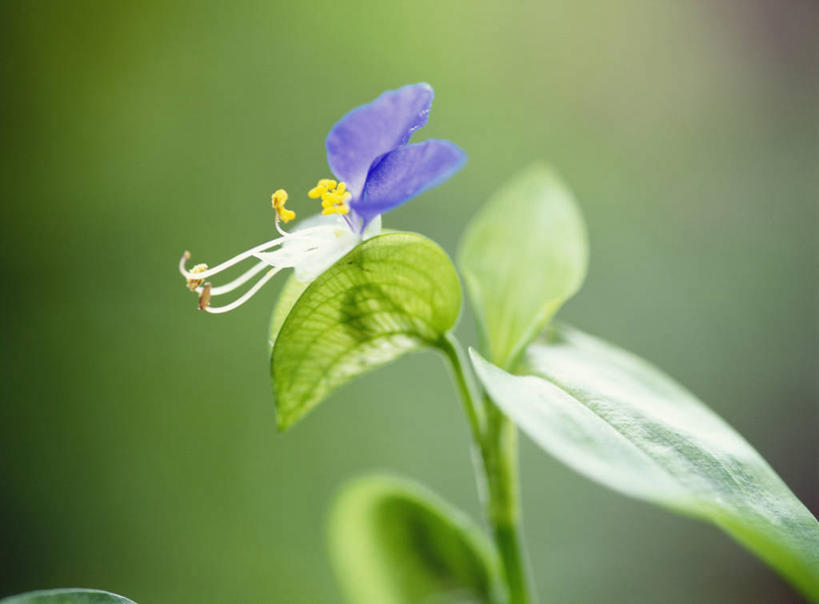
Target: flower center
{"points": [[334, 196]]}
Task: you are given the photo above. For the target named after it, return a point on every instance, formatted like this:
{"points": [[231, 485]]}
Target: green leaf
{"points": [[391, 294], [292, 290], [618, 420], [522, 257], [394, 542], [67, 596]]}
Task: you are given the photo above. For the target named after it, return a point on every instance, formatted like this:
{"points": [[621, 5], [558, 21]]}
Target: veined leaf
{"points": [[522, 257], [391, 294], [67, 596], [618, 420], [393, 542]]}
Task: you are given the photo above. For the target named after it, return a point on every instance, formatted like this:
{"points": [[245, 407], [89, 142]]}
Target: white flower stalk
{"points": [[309, 250]]}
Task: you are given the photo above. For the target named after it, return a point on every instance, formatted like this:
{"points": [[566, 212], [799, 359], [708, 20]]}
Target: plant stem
{"points": [[500, 455], [497, 473]]}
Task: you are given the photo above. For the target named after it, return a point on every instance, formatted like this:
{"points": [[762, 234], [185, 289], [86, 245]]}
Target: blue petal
{"points": [[369, 131], [404, 173]]}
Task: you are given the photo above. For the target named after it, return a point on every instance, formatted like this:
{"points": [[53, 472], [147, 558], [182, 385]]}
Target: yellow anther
{"points": [[335, 203], [334, 196], [338, 209], [279, 198], [286, 215], [194, 283], [324, 185], [204, 297]]}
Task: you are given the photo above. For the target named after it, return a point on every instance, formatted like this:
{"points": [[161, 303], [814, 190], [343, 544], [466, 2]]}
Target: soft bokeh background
{"points": [[139, 452]]}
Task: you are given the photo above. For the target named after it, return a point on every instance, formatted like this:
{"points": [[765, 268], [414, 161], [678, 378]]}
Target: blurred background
{"points": [[139, 451]]}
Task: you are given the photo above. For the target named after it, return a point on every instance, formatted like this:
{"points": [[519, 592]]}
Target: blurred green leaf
{"points": [[392, 294], [522, 257], [618, 420], [394, 542], [67, 596]]}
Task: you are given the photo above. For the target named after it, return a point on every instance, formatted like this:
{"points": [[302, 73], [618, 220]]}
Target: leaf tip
{"points": [[284, 421], [478, 362]]}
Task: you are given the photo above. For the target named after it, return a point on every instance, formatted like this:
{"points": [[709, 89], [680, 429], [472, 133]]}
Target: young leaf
{"points": [[391, 294], [618, 420], [393, 542], [67, 596], [522, 257]]}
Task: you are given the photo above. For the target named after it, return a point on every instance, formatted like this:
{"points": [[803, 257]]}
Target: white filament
{"points": [[304, 234], [244, 297], [309, 250], [226, 264]]}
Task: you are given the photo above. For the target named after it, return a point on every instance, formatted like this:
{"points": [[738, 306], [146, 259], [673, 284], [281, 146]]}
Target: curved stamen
{"points": [[227, 263], [279, 228], [303, 234], [244, 297], [241, 279]]}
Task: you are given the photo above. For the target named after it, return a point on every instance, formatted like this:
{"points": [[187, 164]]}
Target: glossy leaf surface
{"points": [[393, 542], [392, 294], [522, 256], [616, 419], [67, 596]]}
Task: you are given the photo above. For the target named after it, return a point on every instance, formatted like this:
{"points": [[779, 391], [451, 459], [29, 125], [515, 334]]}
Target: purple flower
{"points": [[368, 150], [377, 170]]}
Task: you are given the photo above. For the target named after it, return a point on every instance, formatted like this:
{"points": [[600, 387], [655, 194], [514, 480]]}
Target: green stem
{"points": [[497, 473], [500, 455]]}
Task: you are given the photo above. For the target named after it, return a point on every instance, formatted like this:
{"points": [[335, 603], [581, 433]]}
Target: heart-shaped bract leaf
{"points": [[393, 542], [391, 294], [522, 257], [618, 420], [67, 596]]}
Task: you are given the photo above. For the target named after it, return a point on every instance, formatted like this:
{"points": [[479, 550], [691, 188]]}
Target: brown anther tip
{"points": [[186, 255], [204, 297]]}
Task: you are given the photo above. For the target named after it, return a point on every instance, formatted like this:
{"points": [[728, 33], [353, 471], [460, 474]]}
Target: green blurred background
{"points": [[139, 452]]}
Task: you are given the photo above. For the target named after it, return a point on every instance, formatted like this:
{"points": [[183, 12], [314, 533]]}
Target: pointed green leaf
{"points": [[522, 257], [67, 596], [618, 420], [392, 294], [394, 542]]}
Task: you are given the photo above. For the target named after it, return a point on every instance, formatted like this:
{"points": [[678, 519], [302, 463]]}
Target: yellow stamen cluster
{"points": [[334, 196], [194, 283], [279, 198]]}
